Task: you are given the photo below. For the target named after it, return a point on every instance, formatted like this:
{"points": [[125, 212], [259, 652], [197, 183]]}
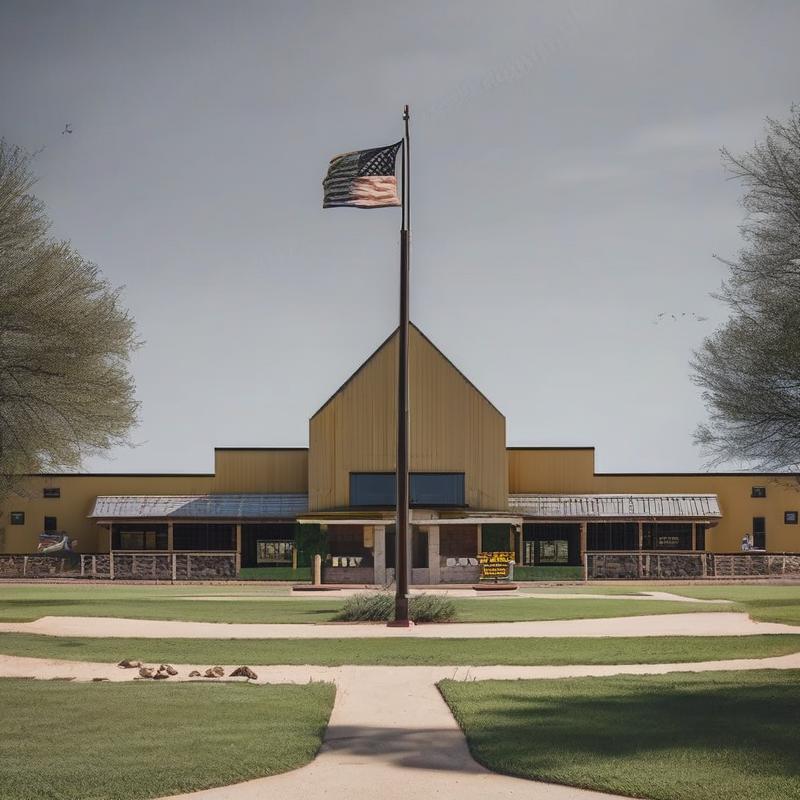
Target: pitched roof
{"points": [[205, 506], [615, 506], [386, 342]]}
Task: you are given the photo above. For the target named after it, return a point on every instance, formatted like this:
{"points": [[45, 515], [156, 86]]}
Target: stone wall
{"points": [[459, 574], [684, 566], [123, 566], [38, 566], [356, 575]]}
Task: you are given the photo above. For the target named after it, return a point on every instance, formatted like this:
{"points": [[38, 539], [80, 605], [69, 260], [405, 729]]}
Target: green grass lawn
{"points": [[703, 736], [763, 603], [400, 652], [22, 603], [106, 741], [301, 574]]}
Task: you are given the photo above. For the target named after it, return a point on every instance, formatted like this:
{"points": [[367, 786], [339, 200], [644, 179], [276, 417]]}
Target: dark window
{"points": [[612, 536], [391, 547], [551, 543], [51, 491], [419, 549], [758, 491], [377, 489], [139, 536], [458, 541], [759, 533], [200, 536], [17, 517], [437, 489], [495, 538], [700, 535], [372, 488], [51, 523], [666, 536], [347, 541], [789, 517]]}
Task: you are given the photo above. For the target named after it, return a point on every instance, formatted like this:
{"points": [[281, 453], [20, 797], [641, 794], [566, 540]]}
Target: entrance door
{"points": [[759, 533]]}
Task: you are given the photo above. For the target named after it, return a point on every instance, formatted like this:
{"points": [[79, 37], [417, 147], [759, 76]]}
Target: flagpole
{"points": [[401, 618]]}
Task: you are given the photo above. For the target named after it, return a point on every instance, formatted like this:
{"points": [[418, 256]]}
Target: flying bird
{"points": [[67, 129]]}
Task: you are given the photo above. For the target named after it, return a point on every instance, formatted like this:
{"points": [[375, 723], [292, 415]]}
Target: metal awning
{"points": [[204, 506], [616, 506]]}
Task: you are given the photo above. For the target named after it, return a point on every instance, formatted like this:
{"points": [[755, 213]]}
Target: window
{"points": [[551, 543], [790, 518], [612, 536], [51, 491], [419, 549], [759, 533], [700, 535], [377, 489], [17, 517], [458, 541], [437, 489], [274, 551], [372, 488], [202, 536], [139, 536], [758, 491], [666, 536], [50, 524]]}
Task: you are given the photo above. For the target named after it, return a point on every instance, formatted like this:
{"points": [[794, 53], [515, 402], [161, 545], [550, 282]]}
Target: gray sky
{"points": [[567, 190]]}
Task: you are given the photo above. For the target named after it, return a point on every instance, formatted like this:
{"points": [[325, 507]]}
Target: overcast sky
{"points": [[567, 190]]}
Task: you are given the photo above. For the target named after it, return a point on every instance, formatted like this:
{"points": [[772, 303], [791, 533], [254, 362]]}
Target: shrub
{"points": [[379, 607]]}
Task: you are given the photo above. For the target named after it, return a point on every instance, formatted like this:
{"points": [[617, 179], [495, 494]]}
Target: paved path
{"points": [[722, 623], [390, 734]]}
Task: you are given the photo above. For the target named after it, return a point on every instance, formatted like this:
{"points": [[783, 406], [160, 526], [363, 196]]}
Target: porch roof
{"points": [[616, 506], [204, 506]]}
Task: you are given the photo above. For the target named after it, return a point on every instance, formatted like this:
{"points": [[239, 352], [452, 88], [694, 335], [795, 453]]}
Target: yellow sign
{"points": [[495, 566]]}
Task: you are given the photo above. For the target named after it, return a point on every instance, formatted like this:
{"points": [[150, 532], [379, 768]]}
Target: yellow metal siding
{"points": [[237, 471], [565, 471], [78, 493], [265, 470], [556, 471], [453, 428]]}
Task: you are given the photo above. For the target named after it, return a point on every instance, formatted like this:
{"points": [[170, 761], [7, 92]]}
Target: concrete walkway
{"points": [[720, 623], [390, 734]]}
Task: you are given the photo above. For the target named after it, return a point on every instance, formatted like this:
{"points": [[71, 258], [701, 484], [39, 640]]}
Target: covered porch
{"points": [[184, 537], [444, 546], [563, 530]]}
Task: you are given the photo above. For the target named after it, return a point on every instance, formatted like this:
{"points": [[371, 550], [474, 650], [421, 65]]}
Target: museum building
{"points": [[268, 508]]}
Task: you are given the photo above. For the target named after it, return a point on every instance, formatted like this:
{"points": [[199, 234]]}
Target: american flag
{"points": [[362, 179]]}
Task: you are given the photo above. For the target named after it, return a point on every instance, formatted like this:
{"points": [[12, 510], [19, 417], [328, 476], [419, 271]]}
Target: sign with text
{"points": [[495, 566]]}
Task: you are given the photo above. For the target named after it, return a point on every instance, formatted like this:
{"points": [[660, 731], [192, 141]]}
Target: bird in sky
{"points": [[67, 129], [677, 317]]}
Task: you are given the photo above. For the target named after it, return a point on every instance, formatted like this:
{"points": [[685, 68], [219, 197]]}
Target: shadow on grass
{"points": [[691, 736]]}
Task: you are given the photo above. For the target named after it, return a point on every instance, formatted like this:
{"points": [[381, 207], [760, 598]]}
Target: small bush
{"points": [[379, 607], [432, 608]]}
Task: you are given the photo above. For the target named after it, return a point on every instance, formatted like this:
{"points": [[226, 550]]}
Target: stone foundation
{"points": [[648, 565], [357, 575], [123, 566]]}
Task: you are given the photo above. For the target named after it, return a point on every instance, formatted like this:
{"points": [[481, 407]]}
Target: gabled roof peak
{"points": [[381, 346]]}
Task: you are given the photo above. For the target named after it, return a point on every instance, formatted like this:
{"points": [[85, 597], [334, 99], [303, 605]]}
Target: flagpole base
{"points": [[400, 623]]}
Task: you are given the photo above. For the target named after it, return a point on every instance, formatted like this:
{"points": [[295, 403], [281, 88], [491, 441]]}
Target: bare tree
{"points": [[65, 342], [749, 369]]}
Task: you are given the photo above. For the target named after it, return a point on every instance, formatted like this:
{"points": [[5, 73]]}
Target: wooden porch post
{"points": [[239, 550], [170, 537], [641, 535], [584, 554], [694, 536]]}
